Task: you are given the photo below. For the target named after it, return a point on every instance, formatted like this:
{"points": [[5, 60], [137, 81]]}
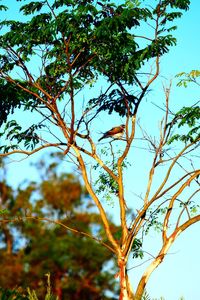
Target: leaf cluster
{"points": [[115, 101], [13, 97], [154, 219], [13, 131], [188, 78], [80, 39], [137, 249], [106, 185], [187, 117]]}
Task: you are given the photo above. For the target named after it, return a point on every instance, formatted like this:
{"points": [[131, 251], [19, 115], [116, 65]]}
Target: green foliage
{"points": [[4, 211], [154, 220], [145, 296], [192, 207], [13, 97], [8, 102], [114, 102], [6, 294], [3, 7], [187, 117], [77, 40], [106, 182], [13, 132], [31, 7], [105, 185], [188, 78], [72, 257], [137, 250]]}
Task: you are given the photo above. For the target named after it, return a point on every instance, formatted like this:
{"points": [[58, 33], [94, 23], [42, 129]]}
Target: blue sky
{"points": [[179, 274]]}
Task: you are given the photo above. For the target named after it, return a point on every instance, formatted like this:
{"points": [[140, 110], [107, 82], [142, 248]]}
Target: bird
{"points": [[115, 133]]}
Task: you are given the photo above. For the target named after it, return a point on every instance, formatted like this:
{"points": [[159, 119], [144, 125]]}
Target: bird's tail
{"points": [[103, 137]]}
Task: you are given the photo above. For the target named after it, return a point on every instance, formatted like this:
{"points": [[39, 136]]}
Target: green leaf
{"points": [[188, 119], [31, 7], [3, 7], [4, 211], [137, 249]]}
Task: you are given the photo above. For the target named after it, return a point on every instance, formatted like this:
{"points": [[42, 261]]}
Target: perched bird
{"points": [[115, 133]]}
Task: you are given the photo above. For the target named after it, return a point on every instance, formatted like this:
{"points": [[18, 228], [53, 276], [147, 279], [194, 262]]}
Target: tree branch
{"points": [[33, 151], [21, 219]]}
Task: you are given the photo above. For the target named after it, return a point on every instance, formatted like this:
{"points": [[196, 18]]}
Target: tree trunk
{"points": [[125, 288]]}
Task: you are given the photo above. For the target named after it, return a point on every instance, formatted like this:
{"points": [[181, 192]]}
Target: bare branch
{"points": [[169, 210], [96, 200], [28, 153], [57, 222]]}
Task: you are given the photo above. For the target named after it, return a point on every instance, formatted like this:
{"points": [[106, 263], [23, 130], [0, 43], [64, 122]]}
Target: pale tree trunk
{"points": [[125, 287], [157, 261]]}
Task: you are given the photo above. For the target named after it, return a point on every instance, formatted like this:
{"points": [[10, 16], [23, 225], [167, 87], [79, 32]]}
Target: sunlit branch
{"points": [[19, 62], [171, 204], [122, 202], [17, 151], [11, 80], [174, 184], [185, 204], [154, 264], [188, 223], [94, 155], [143, 37], [57, 222], [169, 171], [96, 200]]}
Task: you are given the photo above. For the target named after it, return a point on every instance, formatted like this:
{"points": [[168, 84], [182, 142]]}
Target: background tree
{"points": [[31, 249], [62, 49]]}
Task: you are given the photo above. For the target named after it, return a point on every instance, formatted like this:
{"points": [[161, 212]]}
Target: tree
{"points": [[72, 46], [38, 248]]}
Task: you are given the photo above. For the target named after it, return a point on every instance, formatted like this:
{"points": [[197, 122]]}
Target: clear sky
{"points": [[179, 274]]}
